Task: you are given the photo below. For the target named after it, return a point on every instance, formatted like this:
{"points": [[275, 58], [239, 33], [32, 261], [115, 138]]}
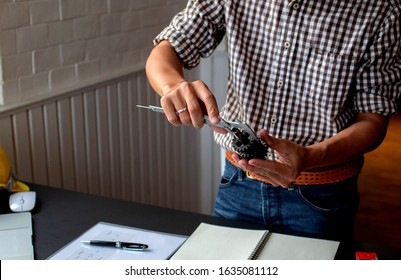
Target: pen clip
{"points": [[134, 247]]}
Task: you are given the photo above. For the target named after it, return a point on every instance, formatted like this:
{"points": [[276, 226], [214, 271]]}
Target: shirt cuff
{"points": [[377, 102], [183, 46]]}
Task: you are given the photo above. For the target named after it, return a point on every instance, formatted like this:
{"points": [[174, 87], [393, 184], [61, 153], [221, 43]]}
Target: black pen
{"points": [[129, 246]]}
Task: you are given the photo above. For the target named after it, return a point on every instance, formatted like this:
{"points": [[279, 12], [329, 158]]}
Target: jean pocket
{"points": [[330, 197], [230, 176], [226, 182]]}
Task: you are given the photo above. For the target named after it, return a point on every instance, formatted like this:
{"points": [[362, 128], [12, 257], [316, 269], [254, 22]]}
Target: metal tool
{"points": [[244, 140]]}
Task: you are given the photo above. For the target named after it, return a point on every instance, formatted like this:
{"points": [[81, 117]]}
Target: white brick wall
{"points": [[49, 45]]}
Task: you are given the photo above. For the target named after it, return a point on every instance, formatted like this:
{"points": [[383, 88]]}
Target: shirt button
{"points": [[294, 5], [280, 84], [287, 45], [273, 120], [270, 155]]}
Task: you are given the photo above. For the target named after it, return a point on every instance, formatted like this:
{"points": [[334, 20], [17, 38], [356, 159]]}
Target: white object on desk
{"points": [[22, 201], [211, 242], [161, 245], [16, 236]]}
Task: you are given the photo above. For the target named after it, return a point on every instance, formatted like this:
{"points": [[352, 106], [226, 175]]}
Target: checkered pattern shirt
{"points": [[300, 69]]}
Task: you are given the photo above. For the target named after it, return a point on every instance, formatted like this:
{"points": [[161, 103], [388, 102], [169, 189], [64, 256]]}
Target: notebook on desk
{"points": [[211, 242], [16, 236]]}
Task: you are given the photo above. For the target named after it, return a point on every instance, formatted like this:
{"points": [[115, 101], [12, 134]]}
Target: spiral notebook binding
{"points": [[259, 247]]}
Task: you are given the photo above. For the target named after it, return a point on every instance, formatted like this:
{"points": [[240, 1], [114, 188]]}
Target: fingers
{"points": [[274, 172], [175, 106], [270, 141], [209, 101], [188, 102]]}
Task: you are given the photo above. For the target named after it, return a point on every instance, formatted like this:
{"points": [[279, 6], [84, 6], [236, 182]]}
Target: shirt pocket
{"points": [[328, 78]]}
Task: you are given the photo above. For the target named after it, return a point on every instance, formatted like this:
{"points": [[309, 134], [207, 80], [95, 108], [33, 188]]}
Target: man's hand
{"points": [[364, 135], [195, 97], [183, 102], [195, 100], [281, 172]]}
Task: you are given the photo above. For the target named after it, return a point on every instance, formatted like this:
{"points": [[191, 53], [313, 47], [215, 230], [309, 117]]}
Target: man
{"points": [[317, 79]]}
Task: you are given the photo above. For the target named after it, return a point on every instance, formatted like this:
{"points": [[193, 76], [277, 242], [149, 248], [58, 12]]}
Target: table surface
{"points": [[60, 216]]}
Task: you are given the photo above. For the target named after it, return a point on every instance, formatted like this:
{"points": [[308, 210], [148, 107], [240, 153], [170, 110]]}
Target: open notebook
{"points": [[211, 242], [16, 236]]}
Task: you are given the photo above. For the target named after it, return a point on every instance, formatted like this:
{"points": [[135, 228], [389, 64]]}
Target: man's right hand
{"points": [[183, 102], [188, 102]]}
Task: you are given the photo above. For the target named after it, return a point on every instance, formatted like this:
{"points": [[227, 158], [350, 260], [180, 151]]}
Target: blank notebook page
{"points": [[16, 236]]}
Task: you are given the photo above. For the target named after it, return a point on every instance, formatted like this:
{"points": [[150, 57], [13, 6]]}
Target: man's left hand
{"points": [[281, 172]]}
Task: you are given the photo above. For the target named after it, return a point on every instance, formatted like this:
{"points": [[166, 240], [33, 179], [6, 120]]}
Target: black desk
{"points": [[61, 216]]}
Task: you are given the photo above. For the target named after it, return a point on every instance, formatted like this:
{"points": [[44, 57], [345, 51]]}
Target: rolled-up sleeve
{"points": [[378, 82], [196, 31]]}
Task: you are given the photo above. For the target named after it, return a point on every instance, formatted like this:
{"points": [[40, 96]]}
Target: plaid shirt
{"points": [[300, 69]]}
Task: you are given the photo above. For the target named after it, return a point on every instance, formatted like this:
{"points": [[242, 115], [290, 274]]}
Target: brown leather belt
{"points": [[326, 175]]}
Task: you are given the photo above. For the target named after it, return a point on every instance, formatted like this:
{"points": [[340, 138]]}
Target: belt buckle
{"points": [[249, 175]]}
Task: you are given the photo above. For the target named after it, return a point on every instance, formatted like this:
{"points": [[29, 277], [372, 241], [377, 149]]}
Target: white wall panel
{"points": [[52, 144]]}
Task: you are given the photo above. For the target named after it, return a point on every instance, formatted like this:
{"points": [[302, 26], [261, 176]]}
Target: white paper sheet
{"points": [[16, 236], [289, 247], [161, 245], [211, 242]]}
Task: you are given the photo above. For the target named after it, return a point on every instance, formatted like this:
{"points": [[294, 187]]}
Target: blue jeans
{"points": [[327, 210]]}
